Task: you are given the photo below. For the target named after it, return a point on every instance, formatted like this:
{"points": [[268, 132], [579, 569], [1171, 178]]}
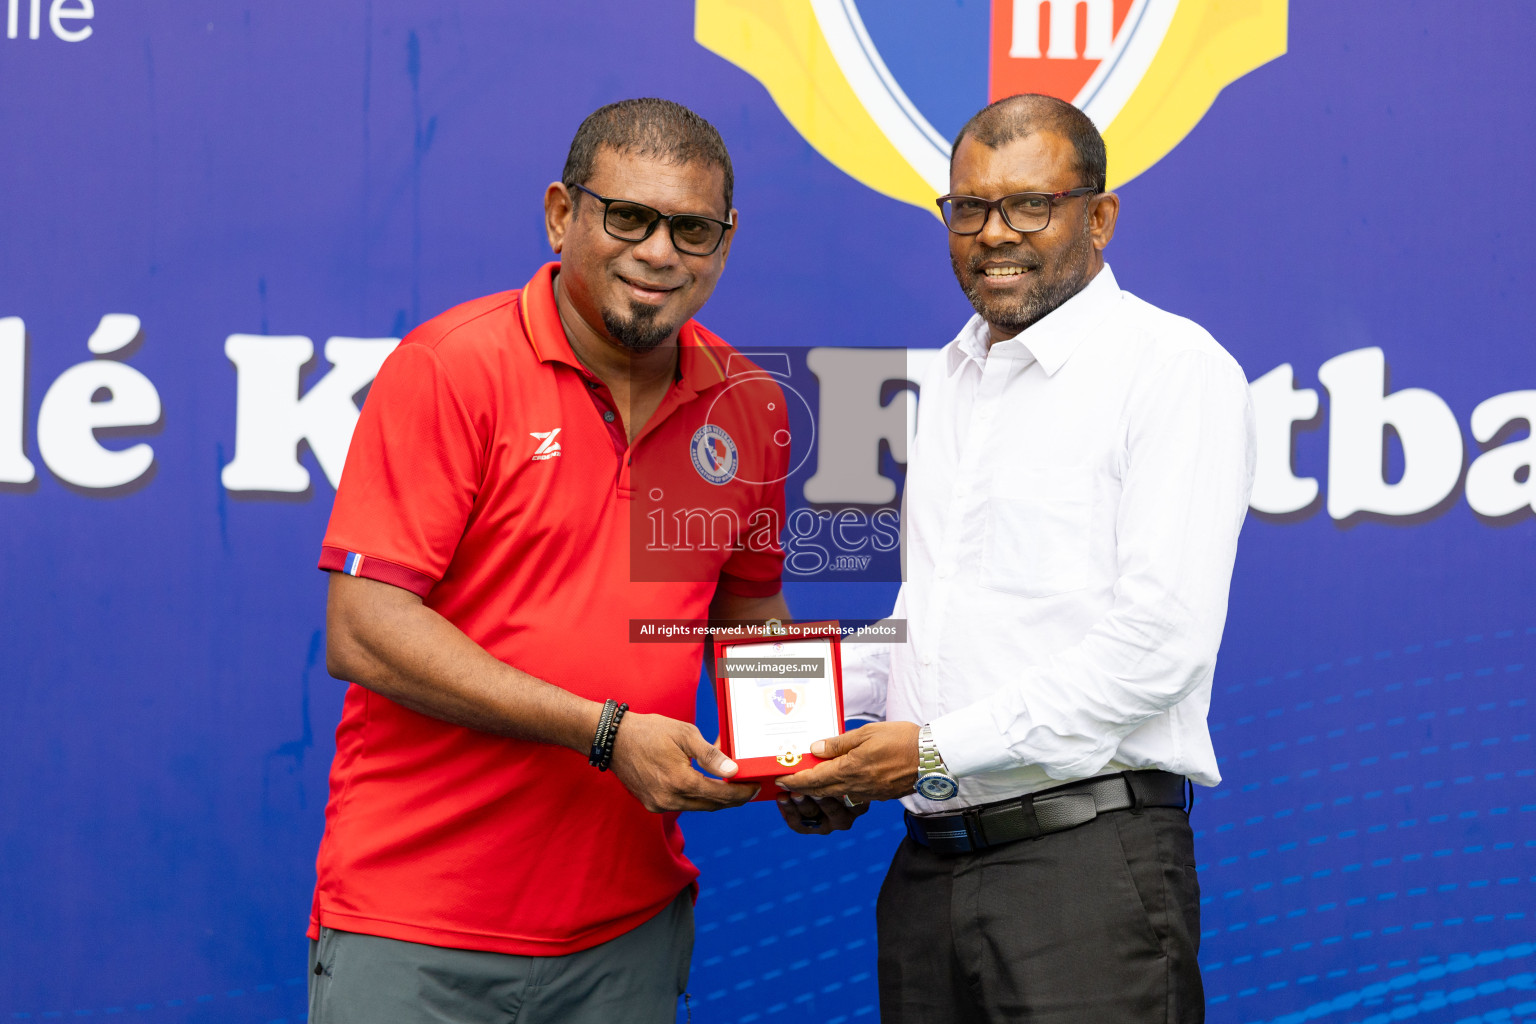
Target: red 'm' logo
{"points": [[1051, 46]]}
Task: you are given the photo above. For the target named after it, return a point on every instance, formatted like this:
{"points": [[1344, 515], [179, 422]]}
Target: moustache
{"points": [[1023, 257]]}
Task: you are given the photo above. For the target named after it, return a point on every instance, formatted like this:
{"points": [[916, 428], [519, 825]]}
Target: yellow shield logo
{"points": [[867, 84]]}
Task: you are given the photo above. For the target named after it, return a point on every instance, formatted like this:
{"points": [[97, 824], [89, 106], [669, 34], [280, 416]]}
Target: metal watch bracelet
{"points": [[928, 757], [933, 778]]}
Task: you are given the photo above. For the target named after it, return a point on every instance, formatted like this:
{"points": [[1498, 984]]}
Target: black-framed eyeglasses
{"points": [[1024, 212], [627, 221]]}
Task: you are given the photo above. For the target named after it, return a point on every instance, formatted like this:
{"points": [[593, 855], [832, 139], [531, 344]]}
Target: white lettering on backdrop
{"points": [[62, 14], [273, 419]]}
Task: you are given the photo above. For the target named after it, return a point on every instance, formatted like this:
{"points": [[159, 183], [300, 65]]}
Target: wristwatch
{"points": [[933, 779]]}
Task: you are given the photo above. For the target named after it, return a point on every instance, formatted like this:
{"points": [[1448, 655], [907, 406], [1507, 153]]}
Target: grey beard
{"points": [[641, 332], [1045, 297]]}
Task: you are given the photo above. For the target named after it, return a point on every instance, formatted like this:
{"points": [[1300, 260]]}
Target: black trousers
{"points": [[1099, 923]]}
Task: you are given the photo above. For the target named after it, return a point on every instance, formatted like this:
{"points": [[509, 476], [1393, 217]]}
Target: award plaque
{"points": [[779, 691]]}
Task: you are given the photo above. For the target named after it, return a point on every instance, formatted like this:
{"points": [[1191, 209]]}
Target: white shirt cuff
{"points": [[970, 742]]}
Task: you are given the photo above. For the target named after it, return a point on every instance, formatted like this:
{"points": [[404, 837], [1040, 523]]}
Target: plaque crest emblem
{"points": [[784, 699]]}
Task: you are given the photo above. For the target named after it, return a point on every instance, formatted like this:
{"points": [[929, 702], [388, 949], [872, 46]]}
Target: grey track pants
{"points": [[637, 977]]}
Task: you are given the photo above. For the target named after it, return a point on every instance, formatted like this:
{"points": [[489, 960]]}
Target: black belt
{"points": [[1050, 810]]}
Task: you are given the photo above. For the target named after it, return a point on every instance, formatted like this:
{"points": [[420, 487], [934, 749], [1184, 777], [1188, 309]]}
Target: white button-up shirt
{"points": [[1073, 501]]}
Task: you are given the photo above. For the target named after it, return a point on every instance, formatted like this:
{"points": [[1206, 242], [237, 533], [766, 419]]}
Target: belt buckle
{"points": [[1008, 823], [971, 816]]}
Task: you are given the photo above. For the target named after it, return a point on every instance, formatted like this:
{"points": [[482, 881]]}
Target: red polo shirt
{"points": [[490, 474]]}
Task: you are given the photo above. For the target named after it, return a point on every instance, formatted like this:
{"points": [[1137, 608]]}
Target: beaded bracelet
{"points": [[601, 754], [604, 720], [613, 734]]}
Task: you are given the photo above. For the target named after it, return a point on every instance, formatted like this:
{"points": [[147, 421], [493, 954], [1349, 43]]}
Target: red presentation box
{"points": [[779, 689]]}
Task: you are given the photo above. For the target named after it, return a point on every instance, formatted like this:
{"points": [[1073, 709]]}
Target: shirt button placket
{"points": [[994, 375], [947, 564]]}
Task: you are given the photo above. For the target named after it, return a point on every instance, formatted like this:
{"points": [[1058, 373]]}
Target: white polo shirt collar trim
{"points": [[1050, 340]]}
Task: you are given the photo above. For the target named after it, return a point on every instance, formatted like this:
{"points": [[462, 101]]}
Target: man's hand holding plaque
{"points": [[877, 761], [780, 691]]}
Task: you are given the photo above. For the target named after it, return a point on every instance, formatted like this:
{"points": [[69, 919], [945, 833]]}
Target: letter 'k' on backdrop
{"points": [[216, 220]]}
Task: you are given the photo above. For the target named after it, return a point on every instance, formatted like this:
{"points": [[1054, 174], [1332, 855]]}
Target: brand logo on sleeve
{"points": [[548, 447], [714, 453]]}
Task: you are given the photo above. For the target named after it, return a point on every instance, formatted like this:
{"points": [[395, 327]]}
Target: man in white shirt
{"points": [[1081, 471]]}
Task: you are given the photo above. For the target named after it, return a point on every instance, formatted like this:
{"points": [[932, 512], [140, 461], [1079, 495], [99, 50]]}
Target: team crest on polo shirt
{"points": [[714, 453], [880, 87]]}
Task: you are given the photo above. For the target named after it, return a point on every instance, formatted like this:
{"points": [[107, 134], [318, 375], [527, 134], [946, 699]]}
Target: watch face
{"points": [[937, 787]]}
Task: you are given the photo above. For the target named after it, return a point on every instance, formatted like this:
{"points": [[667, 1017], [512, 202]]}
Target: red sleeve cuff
{"points": [[355, 563], [749, 588]]}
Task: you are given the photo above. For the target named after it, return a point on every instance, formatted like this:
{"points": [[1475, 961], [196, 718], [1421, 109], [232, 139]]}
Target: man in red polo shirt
{"points": [[479, 863]]}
